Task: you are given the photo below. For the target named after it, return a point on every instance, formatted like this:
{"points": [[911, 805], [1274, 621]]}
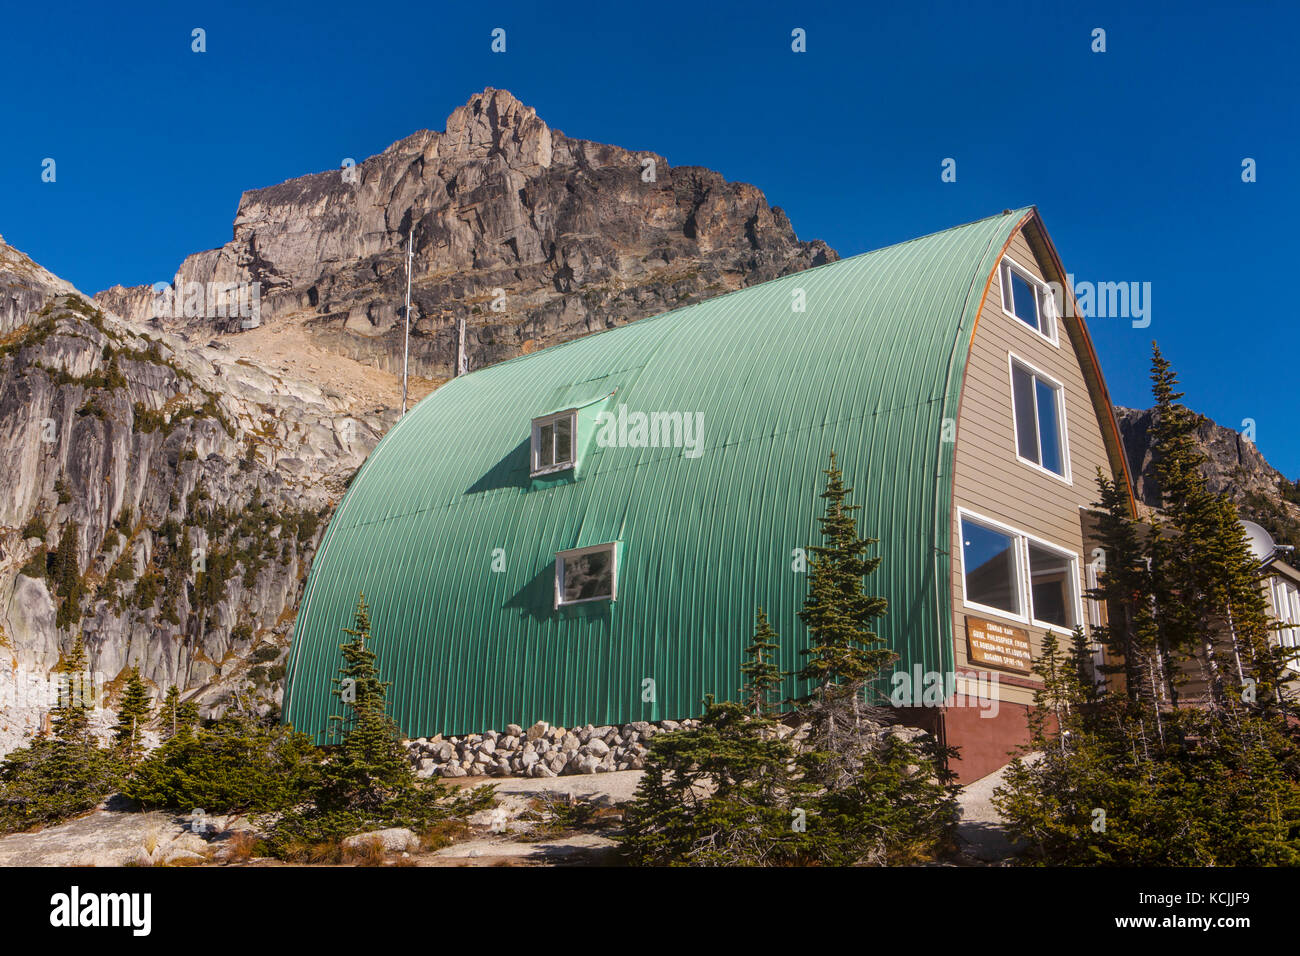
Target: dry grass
{"points": [[444, 833], [324, 852], [187, 861], [366, 853], [242, 846], [150, 841]]}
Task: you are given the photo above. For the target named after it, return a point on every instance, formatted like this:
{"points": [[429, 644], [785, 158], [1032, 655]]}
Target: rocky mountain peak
{"points": [[495, 122], [526, 235], [1234, 466]]}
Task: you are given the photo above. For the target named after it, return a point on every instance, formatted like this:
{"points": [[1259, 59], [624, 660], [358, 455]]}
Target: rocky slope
{"points": [[162, 499], [530, 236], [1234, 466]]}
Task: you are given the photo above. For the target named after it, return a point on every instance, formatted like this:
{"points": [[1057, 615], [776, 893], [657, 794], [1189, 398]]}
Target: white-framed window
{"points": [[1029, 300], [586, 574], [554, 442], [1053, 585], [1013, 574], [1038, 412]]}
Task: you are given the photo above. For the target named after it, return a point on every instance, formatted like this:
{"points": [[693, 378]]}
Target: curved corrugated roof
{"points": [[870, 370]]}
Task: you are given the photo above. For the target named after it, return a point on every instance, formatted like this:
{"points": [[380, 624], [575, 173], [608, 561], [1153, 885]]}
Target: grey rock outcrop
{"points": [[529, 235], [1234, 466], [186, 494]]}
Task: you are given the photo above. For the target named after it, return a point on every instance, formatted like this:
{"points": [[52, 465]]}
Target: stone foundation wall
{"points": [[539, 751]]}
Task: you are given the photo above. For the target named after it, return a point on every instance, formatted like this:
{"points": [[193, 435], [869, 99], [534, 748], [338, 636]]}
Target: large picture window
{"points": [[1011, 573], [586, 574], [991, 566], [1038, 407]]}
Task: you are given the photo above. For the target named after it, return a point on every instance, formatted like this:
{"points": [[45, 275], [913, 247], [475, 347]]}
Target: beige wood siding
{"points": [[991, 481]]}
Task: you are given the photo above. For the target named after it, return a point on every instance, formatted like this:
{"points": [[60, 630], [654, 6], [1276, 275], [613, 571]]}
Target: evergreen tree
{"points": [[763, 676], [844, 655], [177, 717], [1142, 778], [1098, 791], [70, 715], [719, 795], [168, 717], [838, 612], [1124, 584], [67, 576], [1255, 671], [370, 767], [1187, 565], [63, 773], [132, 714], [236, 764]]}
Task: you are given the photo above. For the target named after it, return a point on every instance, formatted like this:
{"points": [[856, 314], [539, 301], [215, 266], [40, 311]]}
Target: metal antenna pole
{"points": [[462, 362], [406, 344]]}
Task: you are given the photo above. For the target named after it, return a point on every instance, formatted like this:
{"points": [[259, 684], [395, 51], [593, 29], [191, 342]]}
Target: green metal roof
{"points": [[870, 370]]}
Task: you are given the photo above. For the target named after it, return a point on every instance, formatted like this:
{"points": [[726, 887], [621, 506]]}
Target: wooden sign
{"points": [[999, 645]]}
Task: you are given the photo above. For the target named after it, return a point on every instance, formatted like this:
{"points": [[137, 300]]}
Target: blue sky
{"points": [[1133, 155]]}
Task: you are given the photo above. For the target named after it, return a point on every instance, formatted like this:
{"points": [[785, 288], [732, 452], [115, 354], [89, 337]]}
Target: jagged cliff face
{"points": [[160, 499], [530, 236], [1234, 466]]}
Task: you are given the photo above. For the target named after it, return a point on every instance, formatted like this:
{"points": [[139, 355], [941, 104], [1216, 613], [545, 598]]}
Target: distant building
{"points": [[1281, 584], [583, 534]]}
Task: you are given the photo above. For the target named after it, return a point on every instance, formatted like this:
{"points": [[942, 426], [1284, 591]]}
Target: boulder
{"points": [[394, 840]]}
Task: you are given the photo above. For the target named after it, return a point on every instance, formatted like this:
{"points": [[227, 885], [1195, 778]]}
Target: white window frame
{"points": [[1024, 580], [535, 445], [1019, 553], [612, 547], [1075, 598], [1043, 293], [1062, 427]]}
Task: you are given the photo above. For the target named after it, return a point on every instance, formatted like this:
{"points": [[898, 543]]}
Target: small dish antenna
{"points": [[1262, 545]]}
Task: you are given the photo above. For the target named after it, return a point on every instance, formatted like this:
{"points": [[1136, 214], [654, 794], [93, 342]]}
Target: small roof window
{"points": [[586, 574], [553, 442]]}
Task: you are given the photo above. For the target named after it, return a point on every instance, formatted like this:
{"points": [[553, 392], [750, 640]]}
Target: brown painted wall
{"points": [[993, 483]]}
